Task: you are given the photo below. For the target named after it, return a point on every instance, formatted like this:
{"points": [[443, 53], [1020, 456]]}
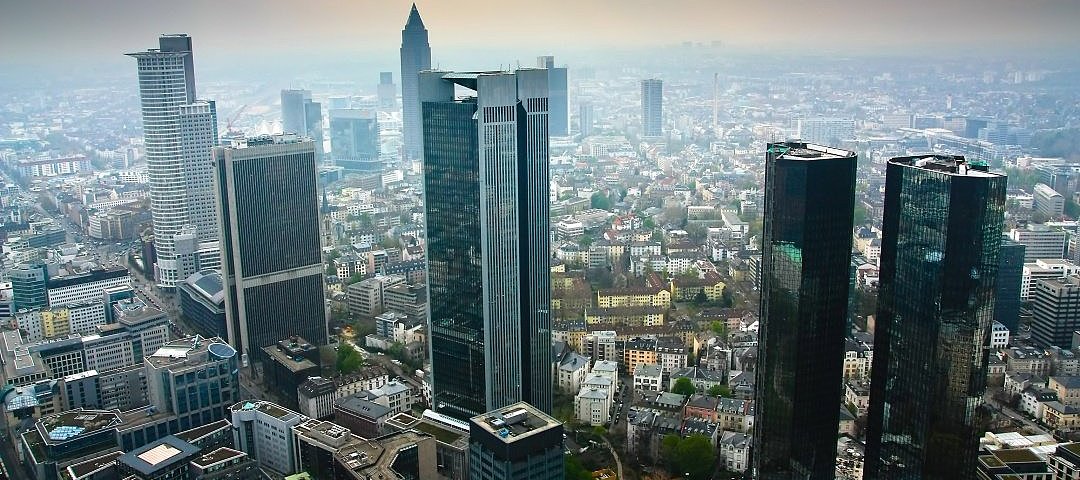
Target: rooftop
{"points": [[222, 454], [157, 456], [514, 422], [268, 408], [94, 465], [954, 165], [807, 151]]}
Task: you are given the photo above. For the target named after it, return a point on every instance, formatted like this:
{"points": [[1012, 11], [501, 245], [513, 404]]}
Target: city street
{"points": [[1015, 415]]}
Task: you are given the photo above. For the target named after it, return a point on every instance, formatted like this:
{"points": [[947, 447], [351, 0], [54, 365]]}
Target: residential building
{"points": [[571, 371], [926, 283], [488, 239], [648, 377], [652, 107], [735, 451], [810, 193], [271, 259], [516, 442], [999, 336], [1067, 389]]}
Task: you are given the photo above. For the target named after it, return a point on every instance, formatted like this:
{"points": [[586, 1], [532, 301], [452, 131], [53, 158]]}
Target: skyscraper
{"points": [[415, 57], [28, 286], [1009, 279], [179, 132], [302, 116], [517, 442], [387, 91], [1055, 311], [652, 107], [806, 261], [486, 186], [558, 108], [354, 140], [939, 258], [271, 259], [585, 118]]}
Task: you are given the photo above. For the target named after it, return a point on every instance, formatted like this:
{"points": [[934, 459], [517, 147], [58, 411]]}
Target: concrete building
{"points": [[1048, 202], [194, 379], [1056, 311], [516, 442], [652, 107], [264, 431], [1040, 242]]}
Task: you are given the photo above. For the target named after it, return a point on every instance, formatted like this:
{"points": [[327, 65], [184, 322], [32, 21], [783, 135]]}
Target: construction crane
{"points": [[229, 123]]}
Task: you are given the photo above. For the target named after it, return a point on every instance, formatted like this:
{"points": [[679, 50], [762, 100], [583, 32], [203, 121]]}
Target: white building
{"points": [[1048, 202], [999, 336], [825, 130], [571, 372], [648, 377], [1040, 242], [1044, 268], [607, 368], [592, 405], [396, 396], [264, 430], [179, 132], [85, 287], [735, 451]]}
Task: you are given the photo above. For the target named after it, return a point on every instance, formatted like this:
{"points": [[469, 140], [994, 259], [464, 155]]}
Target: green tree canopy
{"points": [[693, 456], [600, 200], [348, 359], [574, 470], [683, 386], [720, 391]]}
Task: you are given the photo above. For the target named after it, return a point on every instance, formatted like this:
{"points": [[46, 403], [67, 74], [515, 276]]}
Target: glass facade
{"points": [[939, 259], [486, 181], [272, 266], [809, 200], [354, 140], [1010, 276], [415, 58]]}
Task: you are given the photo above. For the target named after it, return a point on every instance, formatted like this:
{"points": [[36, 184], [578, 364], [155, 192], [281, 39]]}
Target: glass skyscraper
{"points": [[415, 58], [271, 265], [486, 187], [354, 140], [806, 263], [558, 107], [1010, 275], [302, 116], [939, 259]]}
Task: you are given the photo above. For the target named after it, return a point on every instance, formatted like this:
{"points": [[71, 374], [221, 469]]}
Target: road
{"points": [[1015, 415], [614, 454]]}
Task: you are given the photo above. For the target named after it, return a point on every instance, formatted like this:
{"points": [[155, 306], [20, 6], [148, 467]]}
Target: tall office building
{"points": [[29, 285], [1040, 242], [558, 107], [387, 91], [486, 185], [806, 261], [271, 259], [1055, 311], [517, 442], [1009, 282], [179, 132], [302, 116], [939, 257], [354, 140], [652, 107], [585, 118], [415, 57], [1048, 202]]}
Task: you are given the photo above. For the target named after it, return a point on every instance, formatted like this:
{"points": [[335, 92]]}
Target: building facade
{"points": [[810, 194], [486, 186], [1009, 282], [558, 106], [178, 132], [354, 140], [272, 265], [1055, 311], [652, 107], [939, 259], [415, 57], [517, 442]]}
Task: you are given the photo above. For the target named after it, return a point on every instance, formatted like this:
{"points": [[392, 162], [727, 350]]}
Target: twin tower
{"points": [[941, 232]]}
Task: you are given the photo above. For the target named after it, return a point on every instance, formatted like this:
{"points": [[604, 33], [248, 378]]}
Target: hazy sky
{"points": [[35, 31]]}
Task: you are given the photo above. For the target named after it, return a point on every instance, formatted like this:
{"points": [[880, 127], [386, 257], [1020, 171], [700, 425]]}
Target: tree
{"points": [[599, 431], [600, 200], [683, 386], [720, 391], [719, 328], [859, 214], [693, 456], [348, 359], [574, 470]]}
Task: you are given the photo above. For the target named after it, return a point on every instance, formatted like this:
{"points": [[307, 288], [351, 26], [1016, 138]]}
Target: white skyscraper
{"points": [[179, 133]]}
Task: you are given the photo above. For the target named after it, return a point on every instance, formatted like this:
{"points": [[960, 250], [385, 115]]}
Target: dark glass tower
{"points": [[302, 116], [558, 106], [271, 264], [486, 186], [806, 263], [1010, 275], [415, 58], [354, 140], [939, 258]]}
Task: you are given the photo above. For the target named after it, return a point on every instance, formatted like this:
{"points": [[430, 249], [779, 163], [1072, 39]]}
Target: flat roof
{"points": [[222, 454], [808, 151], [515, 422], [158, 455]]}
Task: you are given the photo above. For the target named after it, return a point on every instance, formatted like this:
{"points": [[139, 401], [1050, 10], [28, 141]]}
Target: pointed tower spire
{"points": [[414, 19]]}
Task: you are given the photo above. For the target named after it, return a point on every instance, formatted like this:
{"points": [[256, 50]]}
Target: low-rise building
{"points": [[735, 451], [648, 377]]}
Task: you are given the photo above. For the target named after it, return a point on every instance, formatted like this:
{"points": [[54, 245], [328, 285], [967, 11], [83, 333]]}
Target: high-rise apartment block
{"points": [[415, 58], [558, 106], [486, 185], [806, 258], [271, 259], [179, 132], [652, 107], [941, 233]]}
